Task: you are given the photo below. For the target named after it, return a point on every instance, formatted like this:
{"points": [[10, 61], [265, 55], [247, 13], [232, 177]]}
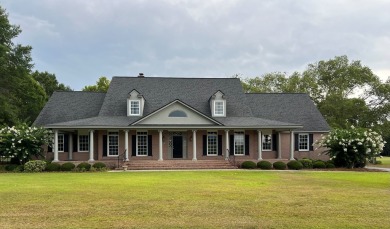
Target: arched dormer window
{"points": [[218, 104], [177, 113], [135, 103]]}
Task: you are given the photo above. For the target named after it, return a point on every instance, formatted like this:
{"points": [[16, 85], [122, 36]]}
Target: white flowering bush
{"points": [[351, 147], [23, 142], [35, 166]]}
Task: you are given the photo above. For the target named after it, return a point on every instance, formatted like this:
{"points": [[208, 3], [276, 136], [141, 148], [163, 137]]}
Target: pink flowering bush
{"points": [[351, 147], [23, 142]]}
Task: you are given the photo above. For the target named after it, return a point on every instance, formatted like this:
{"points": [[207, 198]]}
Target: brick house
{"points": [[159, 119]]}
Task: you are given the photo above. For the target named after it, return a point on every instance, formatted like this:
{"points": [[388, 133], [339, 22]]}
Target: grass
{"points": [[385, 162], [196, 199]]}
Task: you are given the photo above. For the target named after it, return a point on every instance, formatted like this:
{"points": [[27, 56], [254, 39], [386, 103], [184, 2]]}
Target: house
{"points": [[152, 118]]}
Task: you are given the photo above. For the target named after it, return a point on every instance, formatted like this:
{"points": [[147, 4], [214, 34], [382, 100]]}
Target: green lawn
{"points": [[196, 199], [385, 162]]}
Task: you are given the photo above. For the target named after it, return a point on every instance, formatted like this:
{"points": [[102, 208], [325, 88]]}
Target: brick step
{"points": [[177, 164]]}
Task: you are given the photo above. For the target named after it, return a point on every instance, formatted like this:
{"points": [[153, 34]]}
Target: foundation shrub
{"points": [[279, 165], [248, 165], [294, 165], [10, 167], [319, 164], [330, 165], [51, 167], [84, 166], [307, 163], [99, 165], [264, 165], [68, 166], [34, 166]]}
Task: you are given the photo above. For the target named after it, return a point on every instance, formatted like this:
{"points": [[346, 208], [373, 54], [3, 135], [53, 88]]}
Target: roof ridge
{"points": [[278, 93], [167, 77], [83, 91]]}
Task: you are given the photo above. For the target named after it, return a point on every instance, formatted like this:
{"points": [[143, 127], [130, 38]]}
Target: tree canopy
{"points": [[101, 85]]}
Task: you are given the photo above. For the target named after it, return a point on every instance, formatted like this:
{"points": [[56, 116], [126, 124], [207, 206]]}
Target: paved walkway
{"points": [[377, 168]]}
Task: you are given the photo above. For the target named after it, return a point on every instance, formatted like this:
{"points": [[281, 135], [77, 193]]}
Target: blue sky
{"points": [[80, 41]]}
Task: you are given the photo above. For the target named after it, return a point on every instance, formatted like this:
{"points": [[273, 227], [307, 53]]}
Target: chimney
{"points": [[141, 75]]}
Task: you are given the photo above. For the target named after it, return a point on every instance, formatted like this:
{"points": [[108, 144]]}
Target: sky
{"points": [[81, 40]]}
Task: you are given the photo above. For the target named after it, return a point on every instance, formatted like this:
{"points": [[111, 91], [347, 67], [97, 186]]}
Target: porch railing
{"points": [[123, 155]]}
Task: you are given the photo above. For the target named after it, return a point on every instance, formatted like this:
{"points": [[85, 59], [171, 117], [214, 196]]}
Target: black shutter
{"points": [[66, 143], [220, 145], [296, 138], [231, 143], [104, 145], [150, 145], [75, 142], [49, 148], [246, 144], [204, 145], [311, 142], [133, 145], [274, 142]]}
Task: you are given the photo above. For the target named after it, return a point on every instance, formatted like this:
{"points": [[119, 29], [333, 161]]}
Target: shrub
{"points": [[307, 163], [10, 167], [68, 166], [99, 165], [319, 165], [280, 165], [330, 166], [264, 165], [295, 165], [248, 165], [35, 166], [378, 162], [53, 167], [84, 166]]}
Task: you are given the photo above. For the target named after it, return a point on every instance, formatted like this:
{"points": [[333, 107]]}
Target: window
{"points": [[177, 113], [113, 143], [303, 142], [60, 142], [83, 143], [142, 143], [212, 144], [134, 107], [219, 108], [267, 142], [239, 143]]}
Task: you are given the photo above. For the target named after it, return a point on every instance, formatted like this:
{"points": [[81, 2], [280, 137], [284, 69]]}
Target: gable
{"points": [[176, 113]]}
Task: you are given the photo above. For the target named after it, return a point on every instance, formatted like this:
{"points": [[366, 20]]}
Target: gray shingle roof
{"points": [[67, 106], [288, 107]]}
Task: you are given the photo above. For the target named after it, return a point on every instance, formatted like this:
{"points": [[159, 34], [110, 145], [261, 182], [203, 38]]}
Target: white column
{"points": [[55, 145], [70, 147], [160, 145], [291, 145], [127, 145], [227, 144], [279, 146], [260, 143], [194, 145], [91, 146]]}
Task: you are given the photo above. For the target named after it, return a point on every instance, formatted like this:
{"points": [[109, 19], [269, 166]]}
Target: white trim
{"points": [[308, 142], [108, 142], [223, 108], [215, 133], [136, 143], [139, 107]]}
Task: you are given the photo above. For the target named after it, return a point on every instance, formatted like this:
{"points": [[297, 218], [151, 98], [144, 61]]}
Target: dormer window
{"points": [[135, 103], [134, 107], [219, 108]]}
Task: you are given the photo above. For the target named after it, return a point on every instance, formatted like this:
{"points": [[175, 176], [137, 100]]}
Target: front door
{"points": [[177, 146]]}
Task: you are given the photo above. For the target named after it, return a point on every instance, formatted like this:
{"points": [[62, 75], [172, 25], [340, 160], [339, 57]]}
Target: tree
{"points": [[101, 85], [49, 83]]}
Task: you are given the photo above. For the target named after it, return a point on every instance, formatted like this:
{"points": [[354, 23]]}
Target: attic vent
{"points": [[141, 75]]}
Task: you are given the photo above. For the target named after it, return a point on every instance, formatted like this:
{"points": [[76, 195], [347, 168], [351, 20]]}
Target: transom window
{"points": [[113, 143], [239, 143], [212, 143], [303, 142], [219, 108], [267, 142], [60, 142], [142, 143], [83, 143], [134, 107]]}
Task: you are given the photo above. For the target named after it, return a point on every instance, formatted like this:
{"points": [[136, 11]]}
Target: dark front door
{"points": [[177, 145]]}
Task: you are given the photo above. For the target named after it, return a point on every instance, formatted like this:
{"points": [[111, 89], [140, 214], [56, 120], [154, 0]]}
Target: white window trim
{"points": [[136, 143], [223, 108], [139, 107], [78, 143], [207, 141], [108, 143], [234, 142], [308, 142], [262, 141], [63, 143]]}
